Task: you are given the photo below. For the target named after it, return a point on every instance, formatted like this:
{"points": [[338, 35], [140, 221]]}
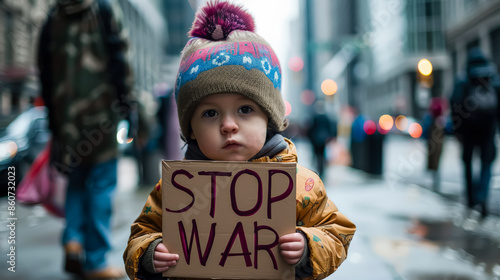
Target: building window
{"points": [[439, 40], [432, 8], [429, 41], [421, 41], [454, 63], [9, 26], [495, 46], [471, 5], [411, 42], [425, 27]]}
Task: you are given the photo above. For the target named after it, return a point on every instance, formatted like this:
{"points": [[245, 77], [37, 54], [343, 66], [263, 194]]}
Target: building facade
{"points": [[320, 33], [472, 23], [148, 37], [401, 34], [179, 15], [375, 62], [20, 22]]}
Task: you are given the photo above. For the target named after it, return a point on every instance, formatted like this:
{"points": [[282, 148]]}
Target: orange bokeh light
{"points": [[329, 87], [424, 67], [415, 130], [386, 122], [401, 122]]}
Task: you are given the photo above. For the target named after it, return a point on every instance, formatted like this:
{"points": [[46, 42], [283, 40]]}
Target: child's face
{"points": [[229, 127]]}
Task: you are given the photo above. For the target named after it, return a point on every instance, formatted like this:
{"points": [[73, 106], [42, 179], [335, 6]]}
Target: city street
{"points": [[382, 75], [405, 230]]}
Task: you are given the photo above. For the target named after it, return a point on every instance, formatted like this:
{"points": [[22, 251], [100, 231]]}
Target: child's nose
{"points": [[229, 125]]}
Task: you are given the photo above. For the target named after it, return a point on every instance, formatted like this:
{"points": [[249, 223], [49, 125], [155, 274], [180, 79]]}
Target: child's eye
{"points": [[209, 113], [245, 110]]}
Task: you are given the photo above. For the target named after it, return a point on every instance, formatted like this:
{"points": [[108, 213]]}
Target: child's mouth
{"points": [[231, 145]]}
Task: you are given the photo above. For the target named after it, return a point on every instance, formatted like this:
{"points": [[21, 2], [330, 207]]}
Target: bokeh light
{"points": [[415, 130], [308, 97], [424, 67], [369, 127], [121, 136], [329, 87], [386, 122], [288, 108], [401, 122], [381, 130], [295, 64], [11, 148]]}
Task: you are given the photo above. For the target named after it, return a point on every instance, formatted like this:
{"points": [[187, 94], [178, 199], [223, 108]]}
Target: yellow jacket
{"points": [[328, 231]]}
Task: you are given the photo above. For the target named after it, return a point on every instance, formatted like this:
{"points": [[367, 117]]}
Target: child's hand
{"points": [[292, 247], [163, 260]]}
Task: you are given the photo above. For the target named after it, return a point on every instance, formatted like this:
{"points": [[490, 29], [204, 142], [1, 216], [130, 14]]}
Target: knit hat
{"points": [[224, 55]]}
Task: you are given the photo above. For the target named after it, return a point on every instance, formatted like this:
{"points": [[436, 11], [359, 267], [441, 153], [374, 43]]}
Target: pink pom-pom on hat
{"points": [[217, 20], [217, 60]]}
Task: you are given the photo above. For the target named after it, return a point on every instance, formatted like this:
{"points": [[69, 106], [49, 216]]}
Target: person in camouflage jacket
{"points": [[86, 84]]}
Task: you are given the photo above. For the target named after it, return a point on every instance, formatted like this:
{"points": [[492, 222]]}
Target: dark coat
{"points": [[475, 115]]}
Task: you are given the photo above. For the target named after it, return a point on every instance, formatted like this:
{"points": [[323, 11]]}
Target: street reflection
{"points": [[460, 243]]}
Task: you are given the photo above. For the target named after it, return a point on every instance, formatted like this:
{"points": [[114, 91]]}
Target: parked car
{"points": [[25, 137], [21, 141]]}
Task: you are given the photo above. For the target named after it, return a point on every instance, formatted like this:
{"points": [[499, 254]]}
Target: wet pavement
{"points": [[405, 230], [408, 231], [405, 162]]}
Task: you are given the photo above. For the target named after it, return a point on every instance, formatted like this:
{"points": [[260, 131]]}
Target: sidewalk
{"points": [[409, 232], [405, 162]]}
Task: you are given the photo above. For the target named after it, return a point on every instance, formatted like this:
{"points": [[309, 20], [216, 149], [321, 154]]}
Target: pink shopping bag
{"points": [[44, 185]]}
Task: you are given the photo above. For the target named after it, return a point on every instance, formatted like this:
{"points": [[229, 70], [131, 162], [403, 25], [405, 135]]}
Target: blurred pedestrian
{"points": [[321, 131], [474, 105], [86, 84], [434, 131], [169, 141], [357, 147]]}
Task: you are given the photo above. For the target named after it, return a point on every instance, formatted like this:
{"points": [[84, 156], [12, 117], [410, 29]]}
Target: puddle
{"points": [[467, 245]]}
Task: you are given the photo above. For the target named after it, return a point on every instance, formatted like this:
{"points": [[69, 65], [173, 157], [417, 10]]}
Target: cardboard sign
{"points": [[224, 218]]}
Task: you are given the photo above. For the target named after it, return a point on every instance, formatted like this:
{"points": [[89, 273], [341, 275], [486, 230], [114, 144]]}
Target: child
{"points": [[230, 108]]}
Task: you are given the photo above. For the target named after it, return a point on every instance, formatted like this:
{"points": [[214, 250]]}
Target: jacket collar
{"points": [[288, 154], [70, 7]]}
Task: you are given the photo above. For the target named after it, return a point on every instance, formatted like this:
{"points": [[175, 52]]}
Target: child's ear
{"points": [[192, 136]]}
